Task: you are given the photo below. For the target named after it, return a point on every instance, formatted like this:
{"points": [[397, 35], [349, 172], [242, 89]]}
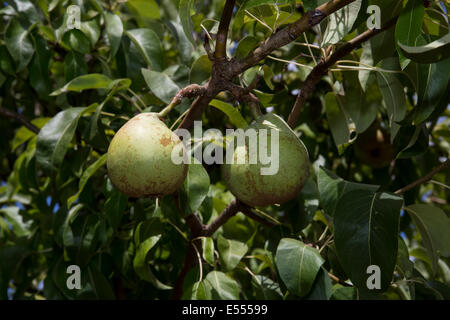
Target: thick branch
{"points": [[288, 34], [12, 114], [425, 178], [322, 68], [190, 91], [222, 33], [231, 210]]}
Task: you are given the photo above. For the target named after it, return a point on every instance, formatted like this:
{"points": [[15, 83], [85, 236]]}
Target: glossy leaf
{"points": [[433, 225], [85, 177], [76, 40], [200, 70], [114, 30], [332, 188], [195, 186], [19, 44], [231, 252], [223, 287], [208, 250], [408, 27], [365, 230], [54, 138], [435, 51], [149, 46], [161, 85], [298, 265], [233, 113], [85, 82], [340, 23], [185, 7]]}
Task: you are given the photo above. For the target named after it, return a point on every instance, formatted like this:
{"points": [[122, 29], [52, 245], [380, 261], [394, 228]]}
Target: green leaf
{"points": [[435, 51], [393, 94], [340, 23], [433, 225], [208, 250], [200, 290], [76, 40], [54, 138], [6, 62], [337, 121], [39, 68], [161, 85], [409, 27], [200, 70], [195, 186], [322, 288], [85, 82], [233, 113], [91, 30], [432, 80], [185, 7], [356, 104], [266, 289], [366, 226], [231, 252], [332, 188], [85, 177], [147, 9], [183, 43], [24, 134], [74, 65], [20, 227], [141, 265], [115, 205], [298, 265], [100, 284], [114, 30], [245, 46], [149, 45], [223, 287], [19, 44], [67, 234]]}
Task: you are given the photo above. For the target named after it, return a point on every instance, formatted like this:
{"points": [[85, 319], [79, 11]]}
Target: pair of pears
{"points": [[139, 162]]}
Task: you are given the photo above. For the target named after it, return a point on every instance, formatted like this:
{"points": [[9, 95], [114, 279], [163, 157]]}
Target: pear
{"points": [[373, 147], [246, 181], [139, 158]]}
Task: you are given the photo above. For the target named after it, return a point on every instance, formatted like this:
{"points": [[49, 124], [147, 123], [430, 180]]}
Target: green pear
{"points": [[246, 181], [139, 158]]}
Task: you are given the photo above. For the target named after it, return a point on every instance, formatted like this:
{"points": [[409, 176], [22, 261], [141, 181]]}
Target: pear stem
{"points": [[190, 91]]}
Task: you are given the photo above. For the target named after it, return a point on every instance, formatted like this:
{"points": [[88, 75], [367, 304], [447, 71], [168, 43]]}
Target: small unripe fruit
{"points": [[373, 147], [139, 158], [247, 183]]}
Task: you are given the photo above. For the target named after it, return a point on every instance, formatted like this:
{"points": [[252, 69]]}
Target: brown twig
{"points": [[341, 282], [222, 33], [322, 68], [224, 71], [288, 34], [425, 178], [17, 116]]}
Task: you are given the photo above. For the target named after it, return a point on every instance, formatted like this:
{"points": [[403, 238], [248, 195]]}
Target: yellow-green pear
{"points": [[246, 181], [139, 158]]}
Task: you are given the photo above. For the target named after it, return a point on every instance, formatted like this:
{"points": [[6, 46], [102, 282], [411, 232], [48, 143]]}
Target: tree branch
{"points": [[222, 33], [288, 34], [322, 68], [190, 91], [425, 178], [17, 116]]}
